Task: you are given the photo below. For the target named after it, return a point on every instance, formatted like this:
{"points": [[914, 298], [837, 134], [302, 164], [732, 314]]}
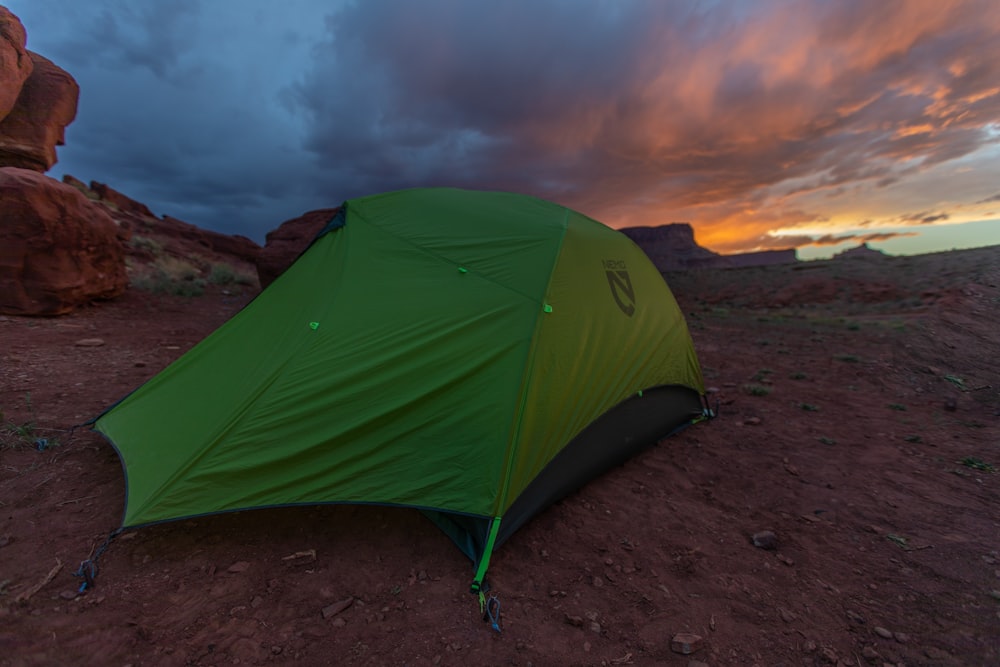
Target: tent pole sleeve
{"points": [[484, 561]]}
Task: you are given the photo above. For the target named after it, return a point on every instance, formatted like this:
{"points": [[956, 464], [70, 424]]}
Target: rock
{"points": [[882, 632], [595, 627], [829, 656], [79, 185], [235, 245], [69, 595], [332, 610], [686, 643], [765, 539], [37, 122], [752, 421], [575, 621], [15, 64], [283, 245], [869, 654], [58, 250], [90, 342], [338, 623], [118, 200], [240, 566]]}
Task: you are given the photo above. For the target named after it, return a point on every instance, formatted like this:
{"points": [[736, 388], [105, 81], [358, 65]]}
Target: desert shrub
{"points": [[847, 358], [223, 274], [756, 390], [151, 246]]}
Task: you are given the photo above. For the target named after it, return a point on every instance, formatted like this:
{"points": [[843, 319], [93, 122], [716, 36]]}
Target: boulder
{"points": [[15, 65], [58, 249], [283, 245], [37, 122]]}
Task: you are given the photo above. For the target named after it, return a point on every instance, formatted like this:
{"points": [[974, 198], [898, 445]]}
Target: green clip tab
{"points": [[640, 393], [462, 269], [314, 325], [547, 308]]}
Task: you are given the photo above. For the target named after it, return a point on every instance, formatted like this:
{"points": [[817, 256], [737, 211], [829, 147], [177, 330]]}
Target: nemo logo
{"points": [[621, 285]]}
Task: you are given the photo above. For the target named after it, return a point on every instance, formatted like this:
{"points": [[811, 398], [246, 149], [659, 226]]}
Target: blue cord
{"points": [[493, 612]]}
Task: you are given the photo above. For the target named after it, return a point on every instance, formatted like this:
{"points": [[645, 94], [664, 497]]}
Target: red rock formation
{"points": [[79, 185], [119, 201], [283, 245], [58, 249], [15, 65], [236, 246], [36, 124]]}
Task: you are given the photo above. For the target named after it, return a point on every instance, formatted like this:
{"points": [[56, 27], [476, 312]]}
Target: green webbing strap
{"points": [[484, 562]]}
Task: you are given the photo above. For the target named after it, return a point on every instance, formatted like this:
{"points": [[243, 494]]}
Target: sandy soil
{"points": [[859, 422]]}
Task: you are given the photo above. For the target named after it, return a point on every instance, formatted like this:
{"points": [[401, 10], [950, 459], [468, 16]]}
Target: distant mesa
{"points": [[672, 247], [863, 251]]}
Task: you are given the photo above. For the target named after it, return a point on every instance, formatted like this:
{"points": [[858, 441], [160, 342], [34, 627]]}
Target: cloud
{"points": [[989, 200], [641, 103], [741, 118], [783, 242], [923, 218]]}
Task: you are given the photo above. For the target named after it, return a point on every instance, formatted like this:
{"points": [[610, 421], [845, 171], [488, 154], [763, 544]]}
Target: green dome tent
{"points": [[477, 355]]}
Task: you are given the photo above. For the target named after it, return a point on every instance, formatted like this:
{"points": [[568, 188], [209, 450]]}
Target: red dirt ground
{"points": [[859, 421]]}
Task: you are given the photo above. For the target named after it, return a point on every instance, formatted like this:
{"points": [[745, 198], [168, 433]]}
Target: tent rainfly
{"points": [[476, 355]]}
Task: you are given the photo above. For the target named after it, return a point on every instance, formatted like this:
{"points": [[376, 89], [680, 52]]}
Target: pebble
{"points": [[869, 653], [574, 621], [598, 582], [90, 342], [883, 633], [241, 566], [765, 539], [685, 643]]}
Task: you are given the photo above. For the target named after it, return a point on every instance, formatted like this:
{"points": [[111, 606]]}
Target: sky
{"points": [[814, 124]]}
